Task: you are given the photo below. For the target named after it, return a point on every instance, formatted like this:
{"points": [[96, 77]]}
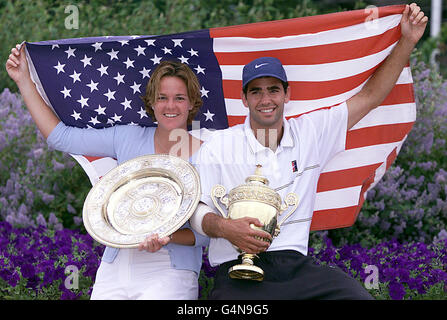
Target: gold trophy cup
{"points": [[253, 199]]}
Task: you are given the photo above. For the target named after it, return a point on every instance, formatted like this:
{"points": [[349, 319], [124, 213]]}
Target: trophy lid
{"points": [[257, 177], [255, 189]]}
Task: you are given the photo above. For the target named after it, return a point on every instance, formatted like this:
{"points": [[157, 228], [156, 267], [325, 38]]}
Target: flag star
{"points": [[204, 92], [97, 46], [110, 95], [124, 42], [177, 42], [54, 46], [192, 52], [200, 69], [208, 115], [119, 78], [86, 61], [126, 104], [145, 72], [156, 59], [136, 87], [183, 59], [116, 118], [129, 63], [59, 67], [132, 123], [93, 85], [166, 50], [100, 110], [75, 76], [83, 101], [70, 52], [113, 54], [76, 115], [134, 37], [140, 50], [66, 92], [150, 42], [110, 121], [142, 113], [103, 70], [94, 120]]}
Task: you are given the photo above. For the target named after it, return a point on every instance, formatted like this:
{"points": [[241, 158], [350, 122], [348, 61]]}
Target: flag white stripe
{"points": [[330, 71], [355, 32], [97, 168], [340, 198], [390, 114], [359, 157]]}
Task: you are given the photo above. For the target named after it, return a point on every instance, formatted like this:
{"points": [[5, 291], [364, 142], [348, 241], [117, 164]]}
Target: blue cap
{"points": [[263, 67]]}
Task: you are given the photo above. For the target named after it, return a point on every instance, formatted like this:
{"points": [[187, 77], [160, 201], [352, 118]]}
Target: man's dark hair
{"points": [[285, 85]]}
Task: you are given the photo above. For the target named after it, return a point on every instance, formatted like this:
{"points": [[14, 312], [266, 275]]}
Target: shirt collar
{"points": [[286, 140]]}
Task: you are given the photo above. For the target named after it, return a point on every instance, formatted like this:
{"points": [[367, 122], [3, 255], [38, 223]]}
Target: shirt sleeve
{"points": [[331, 126], [210, 172], [89, 142]]}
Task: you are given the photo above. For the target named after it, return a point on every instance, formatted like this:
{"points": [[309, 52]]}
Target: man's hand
{"points": [[413, 23], [238, 231]]}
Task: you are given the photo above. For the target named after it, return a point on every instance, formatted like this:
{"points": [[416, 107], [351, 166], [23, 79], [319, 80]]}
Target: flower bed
{"points": [[38, 263], [34, 262], [391, 269]]}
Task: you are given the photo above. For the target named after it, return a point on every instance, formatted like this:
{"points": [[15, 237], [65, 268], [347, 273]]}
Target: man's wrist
{"points": [[214, 225], [408, 43], [222, 224]]}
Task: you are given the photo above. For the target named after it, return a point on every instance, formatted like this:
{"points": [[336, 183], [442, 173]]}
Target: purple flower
{"points": [[396, 290]]}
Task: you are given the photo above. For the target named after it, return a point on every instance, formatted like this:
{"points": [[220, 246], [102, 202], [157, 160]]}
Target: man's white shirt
{"points": [[307, 144]]}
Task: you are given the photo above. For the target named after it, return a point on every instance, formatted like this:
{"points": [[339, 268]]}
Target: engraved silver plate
{"points": [[142, 196]]}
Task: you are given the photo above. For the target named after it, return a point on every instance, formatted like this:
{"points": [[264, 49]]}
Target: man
{"points": [[308, 142]]}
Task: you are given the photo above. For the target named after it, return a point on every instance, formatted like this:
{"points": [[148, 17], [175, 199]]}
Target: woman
{"points": [[161, 268]]}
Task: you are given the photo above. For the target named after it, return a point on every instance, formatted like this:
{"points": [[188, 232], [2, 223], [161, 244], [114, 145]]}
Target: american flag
{"points": [[98, 82]]}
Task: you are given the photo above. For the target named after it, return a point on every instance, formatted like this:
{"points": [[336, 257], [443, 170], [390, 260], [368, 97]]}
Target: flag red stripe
{"points": [[303, 25], [307, 90], [345, 178], [379, 134], [391, 157], [334, 218], [341, 217], [327, 53], [401, 93], [234, 120], [91, 159]]}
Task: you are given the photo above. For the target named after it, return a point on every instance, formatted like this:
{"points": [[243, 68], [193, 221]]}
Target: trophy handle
{"points": [[291, 199], [219, 192]]}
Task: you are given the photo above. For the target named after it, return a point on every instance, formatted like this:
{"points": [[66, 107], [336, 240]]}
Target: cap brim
{"points": [[263, 75]]}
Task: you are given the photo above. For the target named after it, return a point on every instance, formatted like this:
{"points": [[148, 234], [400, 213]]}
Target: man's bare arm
{"points": [[381, 83]]}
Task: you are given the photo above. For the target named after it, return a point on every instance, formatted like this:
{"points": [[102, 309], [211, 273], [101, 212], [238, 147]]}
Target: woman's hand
{"points": [[153, 243], [16, 65]]}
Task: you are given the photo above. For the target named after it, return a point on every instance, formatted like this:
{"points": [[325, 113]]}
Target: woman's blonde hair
{"points": [[168, 68]]}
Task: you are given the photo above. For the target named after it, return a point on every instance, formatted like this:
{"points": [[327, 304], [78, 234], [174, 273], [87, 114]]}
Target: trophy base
{"points": [[247, 269], [246, 272]]}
